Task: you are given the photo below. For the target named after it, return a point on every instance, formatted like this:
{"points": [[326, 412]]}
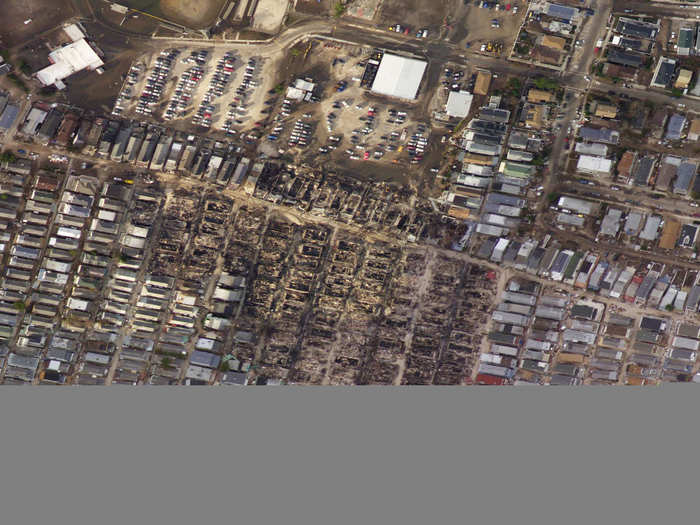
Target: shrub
{"points": [[546, 83]]}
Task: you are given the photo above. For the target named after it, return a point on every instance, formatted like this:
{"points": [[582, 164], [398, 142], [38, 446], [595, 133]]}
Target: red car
{"points": [[366, 156]]}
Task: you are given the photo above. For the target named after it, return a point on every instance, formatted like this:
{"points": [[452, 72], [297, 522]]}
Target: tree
{"points": [[19, 306], [7, 156], [669, 308], [166, 362], [546, 83], [552, 197], [515, 86], [25, 68], [676, 92], [338, 10]]}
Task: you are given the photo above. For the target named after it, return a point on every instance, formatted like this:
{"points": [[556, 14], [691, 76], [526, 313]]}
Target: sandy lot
{"points": [[45, 14], [269, 15], [196, 14]]}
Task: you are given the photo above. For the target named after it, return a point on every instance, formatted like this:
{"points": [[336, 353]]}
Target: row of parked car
{"points": [[238, 112], [182, 97], [301, 134], [126, 93], [405, 30], [155, 83]]}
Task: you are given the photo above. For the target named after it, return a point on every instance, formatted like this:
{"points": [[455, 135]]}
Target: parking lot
{"points": [[213, 88], [345, 121]]}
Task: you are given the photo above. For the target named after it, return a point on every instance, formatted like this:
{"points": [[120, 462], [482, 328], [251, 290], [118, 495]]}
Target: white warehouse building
{"points": [[69, 59], [399, 76], [594, 165]]}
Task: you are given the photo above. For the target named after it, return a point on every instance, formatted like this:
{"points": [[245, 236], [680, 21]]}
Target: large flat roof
{"points": [[459, 103], [399, 76], [68, 60]]}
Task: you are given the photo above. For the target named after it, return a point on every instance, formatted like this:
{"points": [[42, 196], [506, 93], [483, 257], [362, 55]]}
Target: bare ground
{"points": [[196, 14], [44, 15], [417, 13]]}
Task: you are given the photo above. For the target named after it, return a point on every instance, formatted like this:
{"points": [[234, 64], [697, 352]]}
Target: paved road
{"points": [[664, 9], [594, 27], [576, 83], [652, 96]]}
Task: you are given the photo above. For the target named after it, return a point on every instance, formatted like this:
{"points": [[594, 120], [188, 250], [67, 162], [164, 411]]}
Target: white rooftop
{"points": [[593, 164], [304, 85], [459, 103], [68, 60], [295, 93], [73, 32], [399, 76]]}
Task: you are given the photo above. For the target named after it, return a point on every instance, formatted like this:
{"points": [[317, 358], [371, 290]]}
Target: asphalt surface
{"points": [[665, 9]]}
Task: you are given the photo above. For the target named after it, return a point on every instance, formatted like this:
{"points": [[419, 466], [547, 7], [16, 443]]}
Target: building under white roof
{"points": [[304, 85], [302, 90], [592, 148], [67, 60], [73, 32], [577, 205], [459, 103], [594, 165], [399, 76]]}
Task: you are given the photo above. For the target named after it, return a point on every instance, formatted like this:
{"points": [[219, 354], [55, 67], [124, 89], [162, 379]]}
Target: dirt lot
{"points": [[135, 23], [196, 14], [363, 9], [474, 25], [313, 7], [92, 91], [45, 14], [417, 14]]}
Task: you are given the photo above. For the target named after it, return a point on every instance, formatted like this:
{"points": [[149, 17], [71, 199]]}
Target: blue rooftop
{"points": [[561, 11]]}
